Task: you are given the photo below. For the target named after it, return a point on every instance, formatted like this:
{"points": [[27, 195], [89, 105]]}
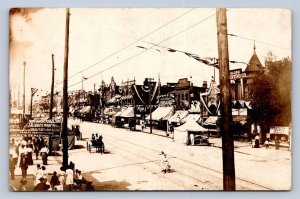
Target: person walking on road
{"points": [[24, 164], [267, 143], [44, 154], [12, 167], [164, 163]]}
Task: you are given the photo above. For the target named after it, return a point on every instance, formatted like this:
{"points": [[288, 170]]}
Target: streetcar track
{"points": [[158, 169], [220, 180], [192, 163]]}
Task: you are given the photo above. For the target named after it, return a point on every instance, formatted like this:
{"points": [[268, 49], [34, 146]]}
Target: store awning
{"points": [[129, 112], [87, 109], [111, 111], [120, 111], [178, 116], [191, 117], [212, 120], [191, 125], [161, 113]]}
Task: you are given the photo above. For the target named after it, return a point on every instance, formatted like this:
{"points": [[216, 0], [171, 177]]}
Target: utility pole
{"points": [[23, 105], [18, 96], [65, 93], [225, 95], [52, 89], [33, 91], [150, 106], [94, 102]]}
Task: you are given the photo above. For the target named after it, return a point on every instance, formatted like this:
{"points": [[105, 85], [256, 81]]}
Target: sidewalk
{"points": [[54, 164]]}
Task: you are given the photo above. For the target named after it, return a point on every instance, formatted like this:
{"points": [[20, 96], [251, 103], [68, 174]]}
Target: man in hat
{"points": [[42, 186], [24, 164], [12, 167]]}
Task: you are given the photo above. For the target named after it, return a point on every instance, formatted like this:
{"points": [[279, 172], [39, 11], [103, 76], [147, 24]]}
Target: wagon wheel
{"points": [[89, 148]]}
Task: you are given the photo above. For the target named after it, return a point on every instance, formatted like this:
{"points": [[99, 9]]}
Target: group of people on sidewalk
{"points": [[22, 152], [63, 180]]}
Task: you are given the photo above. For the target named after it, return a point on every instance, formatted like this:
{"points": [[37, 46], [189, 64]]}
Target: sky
{"points": [[103, 43]]}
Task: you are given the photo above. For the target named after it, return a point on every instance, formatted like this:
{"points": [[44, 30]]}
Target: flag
{"points": [[171, 50], [33, 91], [141, 47]]}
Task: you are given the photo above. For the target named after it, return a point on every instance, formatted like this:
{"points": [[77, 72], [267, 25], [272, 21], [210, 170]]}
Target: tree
{"points": [[271, 95]]}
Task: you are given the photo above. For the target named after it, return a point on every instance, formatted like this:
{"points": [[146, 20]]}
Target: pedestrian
{"points": [[69, 178], [29, 153], [61, 179], [267, 143], [164, 163], [42, 186], [143, 125], [72, 166], [253, 143], [256, 141], [24, 164], [12, 167], [276, 143], [15, 155], [171, 128], [38, 173], [44, 173], [54, 182], [36, 146], [44, 154]]}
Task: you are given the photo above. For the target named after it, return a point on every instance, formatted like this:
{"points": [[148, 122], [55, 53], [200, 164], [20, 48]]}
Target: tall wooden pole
{"points": [[65, 93], [225, 95], [23, 105], [52, 89]]}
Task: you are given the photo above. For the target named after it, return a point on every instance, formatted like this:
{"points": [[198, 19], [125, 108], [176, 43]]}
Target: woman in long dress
{"points": [[69, 178], [38, 174], [61, 179]]}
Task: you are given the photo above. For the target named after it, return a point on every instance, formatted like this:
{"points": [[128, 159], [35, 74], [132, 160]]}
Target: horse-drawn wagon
{"points": [[98, 144]]}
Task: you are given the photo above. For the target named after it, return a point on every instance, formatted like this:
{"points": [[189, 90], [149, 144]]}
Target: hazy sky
{"points": [[98, 33]]}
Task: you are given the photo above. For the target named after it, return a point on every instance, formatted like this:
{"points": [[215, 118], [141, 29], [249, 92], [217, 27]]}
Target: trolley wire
{"points": [[135, 55]]}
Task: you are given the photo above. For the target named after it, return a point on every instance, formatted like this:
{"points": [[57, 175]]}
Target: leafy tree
{"points": [[271, 95]]}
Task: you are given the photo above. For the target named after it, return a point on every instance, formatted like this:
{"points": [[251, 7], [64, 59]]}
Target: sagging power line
{"points": [[132, 43], [135, 55]]}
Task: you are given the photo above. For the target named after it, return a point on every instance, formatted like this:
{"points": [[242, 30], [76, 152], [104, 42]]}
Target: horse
{"points": [[100, 145]]}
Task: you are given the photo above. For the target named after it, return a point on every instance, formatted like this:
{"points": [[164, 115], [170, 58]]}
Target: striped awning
{"points": [[161, 113]]}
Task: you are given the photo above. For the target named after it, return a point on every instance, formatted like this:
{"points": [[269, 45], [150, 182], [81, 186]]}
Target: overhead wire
{"points": [[257, 41], [129, 58], [132, 43]]}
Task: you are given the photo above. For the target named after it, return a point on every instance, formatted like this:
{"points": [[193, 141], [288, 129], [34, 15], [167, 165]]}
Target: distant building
{"points": [[241, 81]]}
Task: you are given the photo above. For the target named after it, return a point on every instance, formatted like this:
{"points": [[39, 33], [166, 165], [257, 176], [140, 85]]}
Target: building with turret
{"points": [[241, 81]]}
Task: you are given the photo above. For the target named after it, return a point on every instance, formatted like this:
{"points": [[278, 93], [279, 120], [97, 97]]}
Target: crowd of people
{"points": [[21, 156]]}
